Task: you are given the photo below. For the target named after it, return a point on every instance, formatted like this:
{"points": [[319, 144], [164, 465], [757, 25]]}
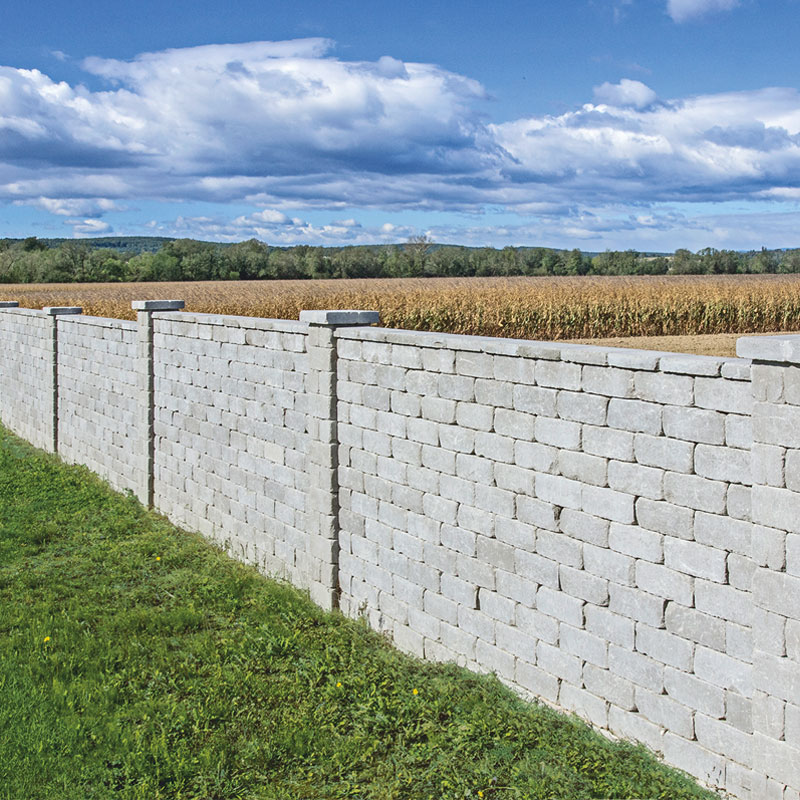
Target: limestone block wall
{"points": [[97, 396], [612, 531], [230, 427], [575, 519], [776, 556], [26, 364]]}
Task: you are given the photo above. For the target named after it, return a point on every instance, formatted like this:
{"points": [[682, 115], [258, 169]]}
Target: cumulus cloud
{"points": [[285, 126], [288, 231], [73, 206], [710, 147], [686, 10], [88, 227], [633, 94]]}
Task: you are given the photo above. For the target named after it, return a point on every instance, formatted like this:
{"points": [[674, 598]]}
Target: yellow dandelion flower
{"points": [[46, 639], [158, 558], [339, 685], [480, 793], [415, 691]]}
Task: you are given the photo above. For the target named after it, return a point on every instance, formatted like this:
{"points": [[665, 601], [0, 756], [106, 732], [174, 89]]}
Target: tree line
{"points": [[32, 260]]}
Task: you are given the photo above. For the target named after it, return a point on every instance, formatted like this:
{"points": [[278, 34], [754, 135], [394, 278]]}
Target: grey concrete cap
{"points": [[53, 310], [348, 317], [9, 304], [769, 348], [157, 305]]}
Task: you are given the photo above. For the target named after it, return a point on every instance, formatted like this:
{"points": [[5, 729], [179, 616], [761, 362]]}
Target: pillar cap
{"points": [[157, 305], [54, 310], [9, 304], [342, 317], [784, 349]]}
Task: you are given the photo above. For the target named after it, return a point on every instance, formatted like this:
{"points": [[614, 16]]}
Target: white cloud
{"points": [[73, 206], [289, 232], [626, 93], [283, 127], [88, 227], [685, 10], [709, 147]]}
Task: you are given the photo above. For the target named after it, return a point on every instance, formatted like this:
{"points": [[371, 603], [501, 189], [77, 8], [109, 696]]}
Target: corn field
{"points": [[528, 308]]}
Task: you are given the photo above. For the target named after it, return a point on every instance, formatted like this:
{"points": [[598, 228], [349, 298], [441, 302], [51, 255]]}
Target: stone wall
{"points": [[231, 434], [612, 531], [575, 519], [97, 396], [26, 365]]}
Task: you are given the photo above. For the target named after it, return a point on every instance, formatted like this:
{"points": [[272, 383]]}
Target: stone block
{"points": [[477, 365], [637, 542], [666, 712], [558, 433], [535, 400], [536, 457], [615, 629], [722, 464], [559, 491], [608, 564], [635, 479], [605, 683], [667, 389], [669, 454], [637, 604], [695, 492], [582, 407], [608, 443], [513, 423], [583, 585], [695, 759], [582, 467], [691, 558], [723, 671], [536, 568], [584, 704], [694, 425], [558, 374], [608, 504], [635, 416], [608, 381], [556, 662], [494, 447], [477, 417], [585, 646], [584, 527], [554, 603], [776, 508], [738, 431], [540, 682]]}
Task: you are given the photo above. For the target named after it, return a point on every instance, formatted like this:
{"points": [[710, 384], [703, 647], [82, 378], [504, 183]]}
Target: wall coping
{"points": [[596, 355], [157, 305], [53, 311], [231, 321], [101, 322], [340, 317], [784, 348]]}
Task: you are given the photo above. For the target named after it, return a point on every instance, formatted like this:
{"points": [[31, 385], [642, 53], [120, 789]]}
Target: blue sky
{"points": [[651, 124]]}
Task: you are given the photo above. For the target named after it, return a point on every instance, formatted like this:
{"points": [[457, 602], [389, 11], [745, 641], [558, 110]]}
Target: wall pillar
{"points": [[145, 405], [51, 414], [322, 542], [775, 462]]}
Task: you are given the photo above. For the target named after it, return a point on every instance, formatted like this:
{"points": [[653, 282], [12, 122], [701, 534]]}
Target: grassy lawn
{"points": [[137, 661]]}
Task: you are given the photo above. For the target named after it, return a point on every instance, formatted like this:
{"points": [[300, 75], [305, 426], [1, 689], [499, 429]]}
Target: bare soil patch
{"points": [[710, 344]]}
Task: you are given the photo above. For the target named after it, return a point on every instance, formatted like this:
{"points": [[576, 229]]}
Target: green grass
{"points": [[137, 661]]}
